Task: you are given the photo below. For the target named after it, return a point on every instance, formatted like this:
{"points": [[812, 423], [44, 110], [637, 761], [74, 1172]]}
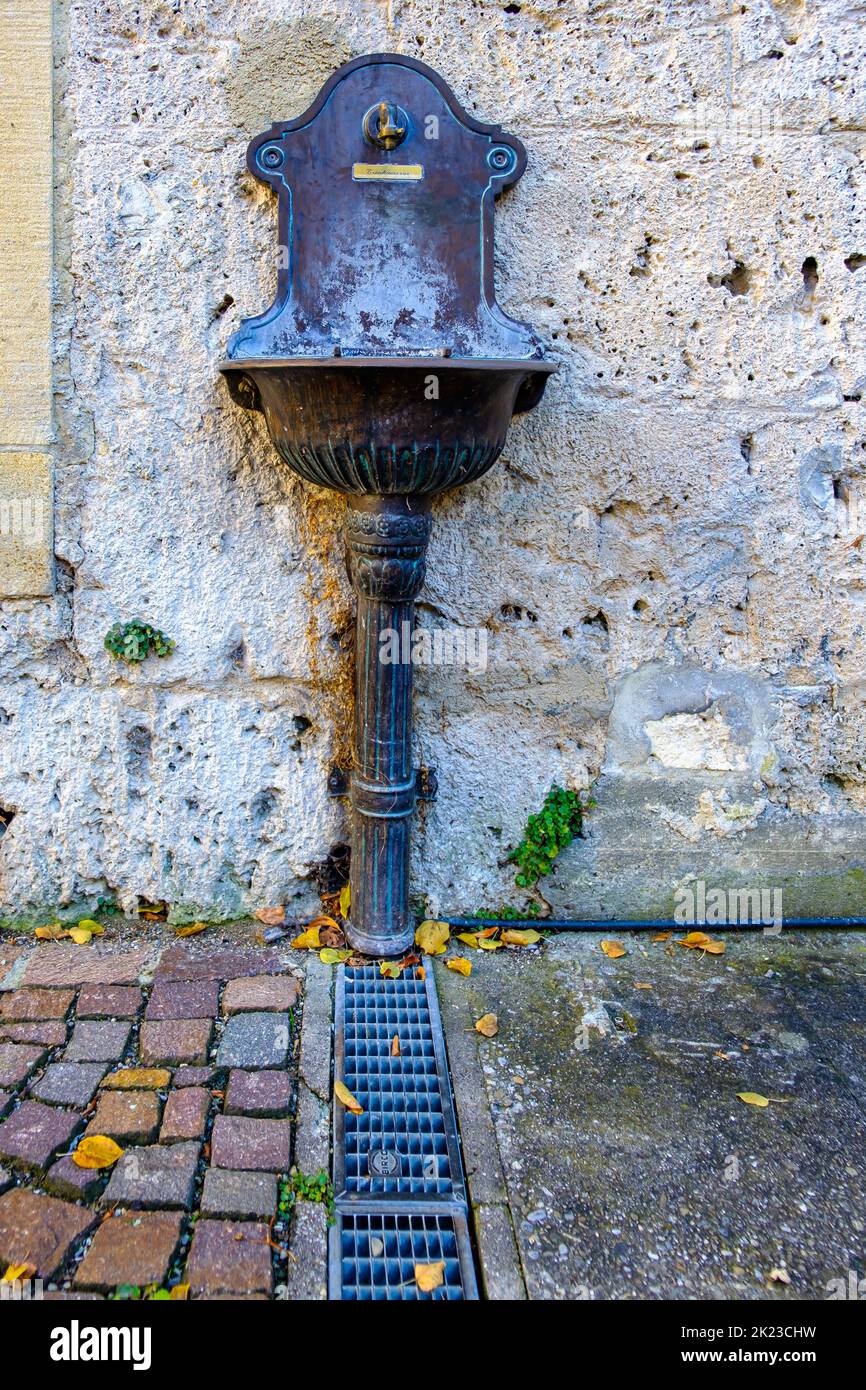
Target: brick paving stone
{"points": [[239, 1196], [259, 1093], [176, 1041], [128, 1117], [261, 993], [108, 1001], [194, 1076], [62, 964], [98, 1042], [17, 1061], [138, 1079], [181, 963], [258, 1145], [229, 1258], [255, 1041], [185, 1114], [132, 1248], [8, 956], [65, 1179], [69, 1083], [39, 1230], [34, 1133], [161, 1175], [51, 1034], [33, 1005], [195, 999]]}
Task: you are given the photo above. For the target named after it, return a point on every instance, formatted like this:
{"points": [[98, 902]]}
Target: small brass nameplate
{"points": [[391, 173]]}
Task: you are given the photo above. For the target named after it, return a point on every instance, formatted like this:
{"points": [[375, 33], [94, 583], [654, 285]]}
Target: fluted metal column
{"points": [[387, 544]]}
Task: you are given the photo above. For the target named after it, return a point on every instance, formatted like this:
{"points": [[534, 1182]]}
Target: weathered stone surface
{"points": [[194, 1076], [239, 1196], [186, 1113], [6, 1099], [171, 1043], [275, 993], [255, 1041], [138, 1079], [33, 1134], [108, 1001], [130, 1248], [60, 963], [193, 999], [5, 1179], [129, 1117], [32, 1005], [185, 963], [69, 1083], [162, 1175], [65, 1179], [97, 1042], [231, 1258], [258, 1145], [50, 1034], [259, 1093], [39, 1230], [17, 1061]]}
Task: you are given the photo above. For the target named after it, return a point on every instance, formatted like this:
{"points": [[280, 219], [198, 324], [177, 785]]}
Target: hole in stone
{"points": [[301, 723], [810, 274], [598, 621], [225, 303], [746, 446], [735, 281], [855, 261], [640, 605], [7, 816]]}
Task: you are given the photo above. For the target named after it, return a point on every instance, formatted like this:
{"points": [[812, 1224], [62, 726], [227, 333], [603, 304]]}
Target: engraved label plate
{"points": [[389, 173]]}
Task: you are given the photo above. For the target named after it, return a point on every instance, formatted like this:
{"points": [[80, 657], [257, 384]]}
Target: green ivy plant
{"points": [[134, 641], [507, 913], [306, 1187], [550, 830]]}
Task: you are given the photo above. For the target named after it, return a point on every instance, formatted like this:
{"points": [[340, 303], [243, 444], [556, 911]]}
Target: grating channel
{"points": [[398, 1178]]}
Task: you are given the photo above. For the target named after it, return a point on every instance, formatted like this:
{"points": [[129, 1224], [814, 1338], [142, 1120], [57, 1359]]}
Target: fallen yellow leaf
{"points": [[138, 1079], [53, 932], [486, 943], [639, 984], [693, 939], [96, 1151], [193, 929], [345, 900], [662, 936], [345, 1097], [395, 1046], [272, 917], [16, 1272], [487, 1025], [613, 949], [778, 1276], [430, 1277], [308, 940], [431, 937], [458, 964], [333, 955], [420, 973], [88, 924], [391, 969], [714, 948], [179, 1292], [752, 1098], [521, 938], [469, 938], [80, 935]]}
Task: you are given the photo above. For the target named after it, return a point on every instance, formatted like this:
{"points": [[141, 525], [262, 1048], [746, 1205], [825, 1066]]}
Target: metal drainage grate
{"points": [[378, 1254], [398, 1179]]}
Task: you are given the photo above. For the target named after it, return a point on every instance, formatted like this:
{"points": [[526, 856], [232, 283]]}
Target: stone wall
{"points": [[667, 559]]}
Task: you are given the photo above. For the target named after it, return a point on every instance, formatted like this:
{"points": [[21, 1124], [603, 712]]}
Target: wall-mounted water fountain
{"points": [[385, 369]]}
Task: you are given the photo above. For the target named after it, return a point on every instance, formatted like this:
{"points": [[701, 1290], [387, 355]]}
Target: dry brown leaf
{"points": [[420, 973], [752, 1098], [53, 932], [345, 1097], [395, 1046], [96, 1151], [487, 1025], [432, 936], [613, 949], [662, 936], [430, 1276], [460, 965], [694, 939], [271, 916], [194, 929]]}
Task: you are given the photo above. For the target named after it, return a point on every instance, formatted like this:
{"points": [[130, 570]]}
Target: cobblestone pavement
{"points": [[184, 1053]]}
